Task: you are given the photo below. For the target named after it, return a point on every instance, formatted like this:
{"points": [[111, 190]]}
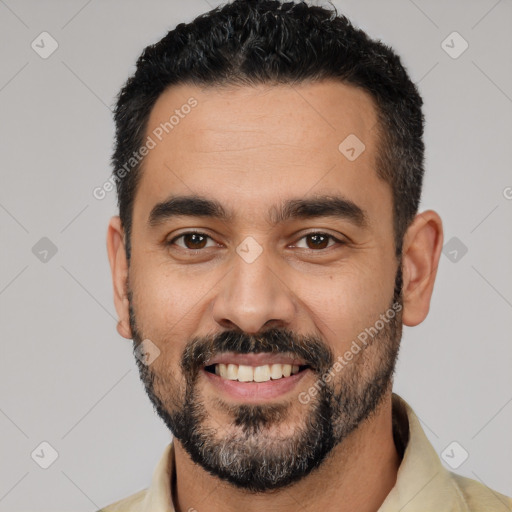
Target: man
{"points": [[268, 250]]}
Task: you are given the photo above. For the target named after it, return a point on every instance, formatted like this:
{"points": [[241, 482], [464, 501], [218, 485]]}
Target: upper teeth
{"points": [[263, 373]]}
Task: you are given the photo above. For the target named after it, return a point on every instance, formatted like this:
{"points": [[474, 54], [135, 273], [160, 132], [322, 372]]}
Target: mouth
{"points": [[254, 378], [262, 373]]}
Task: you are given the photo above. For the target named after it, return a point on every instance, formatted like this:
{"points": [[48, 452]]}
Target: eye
{"points": [[318, 240], [192, 240]]}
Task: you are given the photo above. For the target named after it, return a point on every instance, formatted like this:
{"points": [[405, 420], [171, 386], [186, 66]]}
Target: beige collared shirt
{"points": [[423, 484]]}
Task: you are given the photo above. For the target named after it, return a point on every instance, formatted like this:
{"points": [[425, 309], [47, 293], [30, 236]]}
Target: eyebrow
{"points": [[300, 208]]}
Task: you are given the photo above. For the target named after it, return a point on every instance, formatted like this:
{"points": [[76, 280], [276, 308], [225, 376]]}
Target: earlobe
{"points": [[422, 247], [124, 330], [119, 268]]}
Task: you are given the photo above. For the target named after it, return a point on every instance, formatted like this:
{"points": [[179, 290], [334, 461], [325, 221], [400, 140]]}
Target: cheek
{"points": [[163, 296], [162, 310], [347, 302], [168, 383]]}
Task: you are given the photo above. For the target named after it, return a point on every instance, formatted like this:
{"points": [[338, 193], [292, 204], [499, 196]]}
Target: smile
{"points": [[246, 373], [255, 377]]}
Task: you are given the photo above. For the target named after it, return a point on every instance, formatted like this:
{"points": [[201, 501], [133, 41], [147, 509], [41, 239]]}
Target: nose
{"points": [[252, 297]]}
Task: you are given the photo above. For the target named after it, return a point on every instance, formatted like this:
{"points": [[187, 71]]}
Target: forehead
{"points": [[249, 145]]}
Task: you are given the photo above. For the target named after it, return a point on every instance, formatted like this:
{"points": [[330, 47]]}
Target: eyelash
{"points": [[194, 251]]}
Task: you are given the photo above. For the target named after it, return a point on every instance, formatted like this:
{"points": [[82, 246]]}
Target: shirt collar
{"points": [[158, 497], [422, 481]]}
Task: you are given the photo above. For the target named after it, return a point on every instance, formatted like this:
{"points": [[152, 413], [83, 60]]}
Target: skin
{"points": [[251, 148]]}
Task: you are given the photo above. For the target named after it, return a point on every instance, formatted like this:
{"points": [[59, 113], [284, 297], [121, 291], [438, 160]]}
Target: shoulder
{"points": [[130, 504], [478, 497]]}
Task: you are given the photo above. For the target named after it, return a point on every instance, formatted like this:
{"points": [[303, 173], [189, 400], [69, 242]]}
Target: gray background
{"points": [[70, 380]]}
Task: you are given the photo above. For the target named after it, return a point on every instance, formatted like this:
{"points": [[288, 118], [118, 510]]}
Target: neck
{"points": [[365, 461]]}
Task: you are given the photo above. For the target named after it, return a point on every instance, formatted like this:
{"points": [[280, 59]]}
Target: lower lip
{"points": [[255, 391]]}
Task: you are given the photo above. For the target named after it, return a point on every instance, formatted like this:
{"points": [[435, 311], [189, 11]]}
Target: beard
{"points": [[271, 446]]}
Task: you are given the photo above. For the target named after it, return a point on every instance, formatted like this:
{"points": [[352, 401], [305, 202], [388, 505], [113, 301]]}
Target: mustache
{"points": [[311, 349]]}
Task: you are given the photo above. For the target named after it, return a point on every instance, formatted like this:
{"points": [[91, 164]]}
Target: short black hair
{"points": [[251, 42]]}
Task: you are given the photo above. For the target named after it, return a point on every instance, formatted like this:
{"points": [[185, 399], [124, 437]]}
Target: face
{"points": [[262, 256]]}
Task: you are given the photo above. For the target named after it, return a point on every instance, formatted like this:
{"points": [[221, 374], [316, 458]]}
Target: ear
{"points": [[119, 268], [423, 242]]}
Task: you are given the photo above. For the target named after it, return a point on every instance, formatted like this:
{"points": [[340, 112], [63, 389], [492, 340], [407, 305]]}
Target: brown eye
{"points": [[192, 241], [319, 241]]}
